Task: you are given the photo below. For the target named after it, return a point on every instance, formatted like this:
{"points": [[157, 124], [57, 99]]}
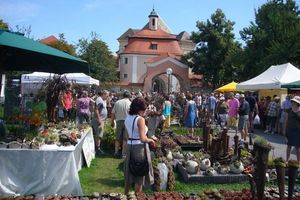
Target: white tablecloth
{"points": [[48, 172]]}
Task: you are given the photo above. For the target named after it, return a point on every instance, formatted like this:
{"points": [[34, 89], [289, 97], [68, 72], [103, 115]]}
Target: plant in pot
{"points": [[293, 166], [280, 171], [261, 150]]}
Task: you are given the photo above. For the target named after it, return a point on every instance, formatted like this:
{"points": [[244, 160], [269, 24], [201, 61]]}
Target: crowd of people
{"points": [[136, 117]]}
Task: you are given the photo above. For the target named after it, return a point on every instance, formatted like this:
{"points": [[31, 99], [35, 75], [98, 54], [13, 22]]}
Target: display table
{"points": [[48, 172]]}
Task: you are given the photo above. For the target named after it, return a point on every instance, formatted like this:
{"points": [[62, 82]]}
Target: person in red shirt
{"points": [[67, 102]]}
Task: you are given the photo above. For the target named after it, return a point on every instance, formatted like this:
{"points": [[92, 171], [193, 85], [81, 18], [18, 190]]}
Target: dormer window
{"points": [[153, 45]]}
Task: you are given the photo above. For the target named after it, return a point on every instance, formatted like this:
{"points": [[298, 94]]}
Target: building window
{"points": [[125, 76], [125, 60], [153, 46], [153, 22]]}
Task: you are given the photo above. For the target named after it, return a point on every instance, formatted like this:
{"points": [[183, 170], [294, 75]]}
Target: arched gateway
{"points": [[155, 69]]}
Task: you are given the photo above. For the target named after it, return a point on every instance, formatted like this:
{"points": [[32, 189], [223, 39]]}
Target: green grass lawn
{"points": [[106, 175]]}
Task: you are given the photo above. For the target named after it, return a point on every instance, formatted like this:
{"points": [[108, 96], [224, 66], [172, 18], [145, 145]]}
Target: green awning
{"points": [[23, 54], [295, 84]]}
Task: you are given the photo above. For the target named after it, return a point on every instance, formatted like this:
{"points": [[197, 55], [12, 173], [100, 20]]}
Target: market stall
{"points": [[230, 87], [270, 81], [49, 170], [272, 78]]}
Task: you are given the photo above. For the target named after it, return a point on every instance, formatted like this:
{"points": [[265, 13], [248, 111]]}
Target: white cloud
{"points": [[18, 11]]}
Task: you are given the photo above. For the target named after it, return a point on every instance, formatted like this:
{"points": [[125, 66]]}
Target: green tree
{"points": [[63, 45], [274, 37], [3, 25], [100, 58], [215, 53]]}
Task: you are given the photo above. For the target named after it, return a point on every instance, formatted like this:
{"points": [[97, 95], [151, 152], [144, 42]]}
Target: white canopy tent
{"points": [[31, 83], [272, 78], [81, 78]]}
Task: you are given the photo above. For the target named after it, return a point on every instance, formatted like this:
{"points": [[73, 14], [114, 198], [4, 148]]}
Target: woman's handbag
{"points": [[136, 167]]}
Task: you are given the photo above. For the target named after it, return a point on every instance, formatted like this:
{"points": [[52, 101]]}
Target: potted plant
{"points": [[261, 150], [280, 171], [293, 166]]}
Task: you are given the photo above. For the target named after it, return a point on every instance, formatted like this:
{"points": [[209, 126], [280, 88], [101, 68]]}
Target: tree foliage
{"points": [[216, 51], [63, 45], [99, 57], [274, 37], [3, 25]]}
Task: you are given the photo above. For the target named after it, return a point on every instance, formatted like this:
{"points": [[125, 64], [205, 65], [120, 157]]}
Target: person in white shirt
{"points": [[119, 114]]}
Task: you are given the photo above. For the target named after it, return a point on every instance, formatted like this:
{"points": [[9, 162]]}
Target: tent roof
{"points": [[230, 87], [272, 78], [20, 53], [295, 84], [39, 77]]}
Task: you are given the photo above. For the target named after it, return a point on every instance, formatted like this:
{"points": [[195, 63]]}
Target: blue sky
{"points": [[111, 18]]}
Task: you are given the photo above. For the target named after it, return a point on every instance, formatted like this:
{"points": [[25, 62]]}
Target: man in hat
{"points": [[119, 114]]}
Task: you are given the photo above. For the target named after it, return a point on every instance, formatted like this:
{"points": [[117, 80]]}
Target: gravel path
{"points": [[277, 141]]}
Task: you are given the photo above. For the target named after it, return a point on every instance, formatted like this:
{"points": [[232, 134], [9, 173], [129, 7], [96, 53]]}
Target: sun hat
{"points": [[296, 99]]}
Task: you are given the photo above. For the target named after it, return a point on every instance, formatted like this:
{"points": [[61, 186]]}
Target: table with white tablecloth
{"points": [[45, 172]]}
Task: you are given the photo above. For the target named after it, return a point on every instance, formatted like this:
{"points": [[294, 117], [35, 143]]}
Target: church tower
{"points": [[153, 20]]}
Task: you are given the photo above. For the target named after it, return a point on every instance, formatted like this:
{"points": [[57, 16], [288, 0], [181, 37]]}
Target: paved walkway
{"points": [[277, 141]]}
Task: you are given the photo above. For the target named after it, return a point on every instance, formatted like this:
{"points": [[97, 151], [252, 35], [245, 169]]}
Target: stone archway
{"points": [[180, 71], [158, 85]]}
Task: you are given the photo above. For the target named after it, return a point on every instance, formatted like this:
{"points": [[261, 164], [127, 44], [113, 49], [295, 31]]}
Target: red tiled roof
{"points": [[49, 40], [162, 56], [142, 46], [147, 33]]}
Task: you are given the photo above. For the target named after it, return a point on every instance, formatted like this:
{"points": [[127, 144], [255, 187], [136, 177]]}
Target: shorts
{"points": [[83, 117], [60, 113], [243, 121], [98, 130], [167, 121], [120, 131], [232, 121]]}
